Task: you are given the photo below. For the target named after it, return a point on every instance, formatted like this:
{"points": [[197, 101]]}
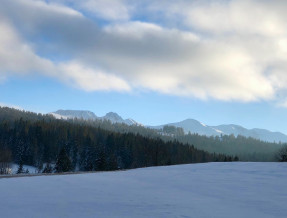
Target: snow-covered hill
{"points": [[195, 126], [218, 190]]}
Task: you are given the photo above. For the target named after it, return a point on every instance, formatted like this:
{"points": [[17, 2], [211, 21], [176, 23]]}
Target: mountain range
{"points": [[88, 115], [194, 126], [188, 125]]}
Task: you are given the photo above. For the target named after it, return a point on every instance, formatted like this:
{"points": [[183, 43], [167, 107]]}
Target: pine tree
{"points": [[39, 167], [281, 155], [20, 168], [48, 168], [63, 163], [101, 162]]}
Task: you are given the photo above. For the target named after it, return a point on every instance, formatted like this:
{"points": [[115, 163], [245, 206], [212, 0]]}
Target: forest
{"points": [[57, 145], [246, 149]]}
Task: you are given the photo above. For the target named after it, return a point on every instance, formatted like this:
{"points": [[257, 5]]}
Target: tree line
{"points": [[57, 146], [247, 149]]}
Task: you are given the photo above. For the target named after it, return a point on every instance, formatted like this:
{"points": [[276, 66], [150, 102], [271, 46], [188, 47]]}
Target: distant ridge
{"points": [[188, 125], [88, 115], [81, 114], [194, 126]]}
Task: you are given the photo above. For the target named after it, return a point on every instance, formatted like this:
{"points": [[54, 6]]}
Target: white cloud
{"points": [[135, 29], [44, 7], [113, 10], [90, 79], [226, 50], [241, 17], [107, 9], [16, 56]]}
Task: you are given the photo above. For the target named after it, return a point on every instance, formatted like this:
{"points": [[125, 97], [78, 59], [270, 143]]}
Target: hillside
{"points": [[218, 190]]}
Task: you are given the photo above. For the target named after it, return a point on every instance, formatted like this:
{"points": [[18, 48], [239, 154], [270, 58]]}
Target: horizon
{"points": [[157, 62]]}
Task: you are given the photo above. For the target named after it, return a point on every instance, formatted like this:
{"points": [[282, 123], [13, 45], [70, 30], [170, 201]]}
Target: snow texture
{"points": [[196, 190]]}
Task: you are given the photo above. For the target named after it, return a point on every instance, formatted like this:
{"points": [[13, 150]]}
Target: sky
{"points": [[220, 61]]}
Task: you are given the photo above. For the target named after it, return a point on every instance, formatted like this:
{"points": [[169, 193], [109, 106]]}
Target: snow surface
{"points": [[196, 190]]}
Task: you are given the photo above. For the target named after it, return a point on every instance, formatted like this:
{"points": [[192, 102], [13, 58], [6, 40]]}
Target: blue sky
{"points": [[157, 62], [47, 95]]}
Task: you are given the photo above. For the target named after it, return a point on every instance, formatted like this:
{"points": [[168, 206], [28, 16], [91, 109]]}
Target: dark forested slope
{"points": [[247, 149], [36, 139]]}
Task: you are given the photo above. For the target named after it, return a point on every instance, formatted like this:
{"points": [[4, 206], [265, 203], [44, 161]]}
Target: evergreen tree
{"points": [[63, 163], [101, 162], [5, 159], [281, 155], [20, 168], [39, 168], [48, 168]]}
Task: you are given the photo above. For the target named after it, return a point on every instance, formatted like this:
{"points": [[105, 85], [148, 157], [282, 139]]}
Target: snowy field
{"points": [[198, 190]]}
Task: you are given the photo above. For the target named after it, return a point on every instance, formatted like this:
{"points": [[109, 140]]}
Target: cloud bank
{"points": [[232, 50]]}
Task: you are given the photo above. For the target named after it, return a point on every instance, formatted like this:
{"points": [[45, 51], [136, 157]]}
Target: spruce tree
{"points": [[101, 162], [281, 155], [63, 163], [20, 168], [48, 168]]}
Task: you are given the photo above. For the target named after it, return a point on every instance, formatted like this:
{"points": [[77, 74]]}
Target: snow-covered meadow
{"points": [[195, 190]]}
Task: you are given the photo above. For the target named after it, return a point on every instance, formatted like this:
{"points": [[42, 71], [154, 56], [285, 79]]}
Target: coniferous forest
{"points": [[245, 148], [54, 145]]}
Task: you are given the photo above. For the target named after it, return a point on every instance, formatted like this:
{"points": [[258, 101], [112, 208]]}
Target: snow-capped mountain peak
{"points": [[113, 117], [130, 121], [88, 115], [80, 114]]}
